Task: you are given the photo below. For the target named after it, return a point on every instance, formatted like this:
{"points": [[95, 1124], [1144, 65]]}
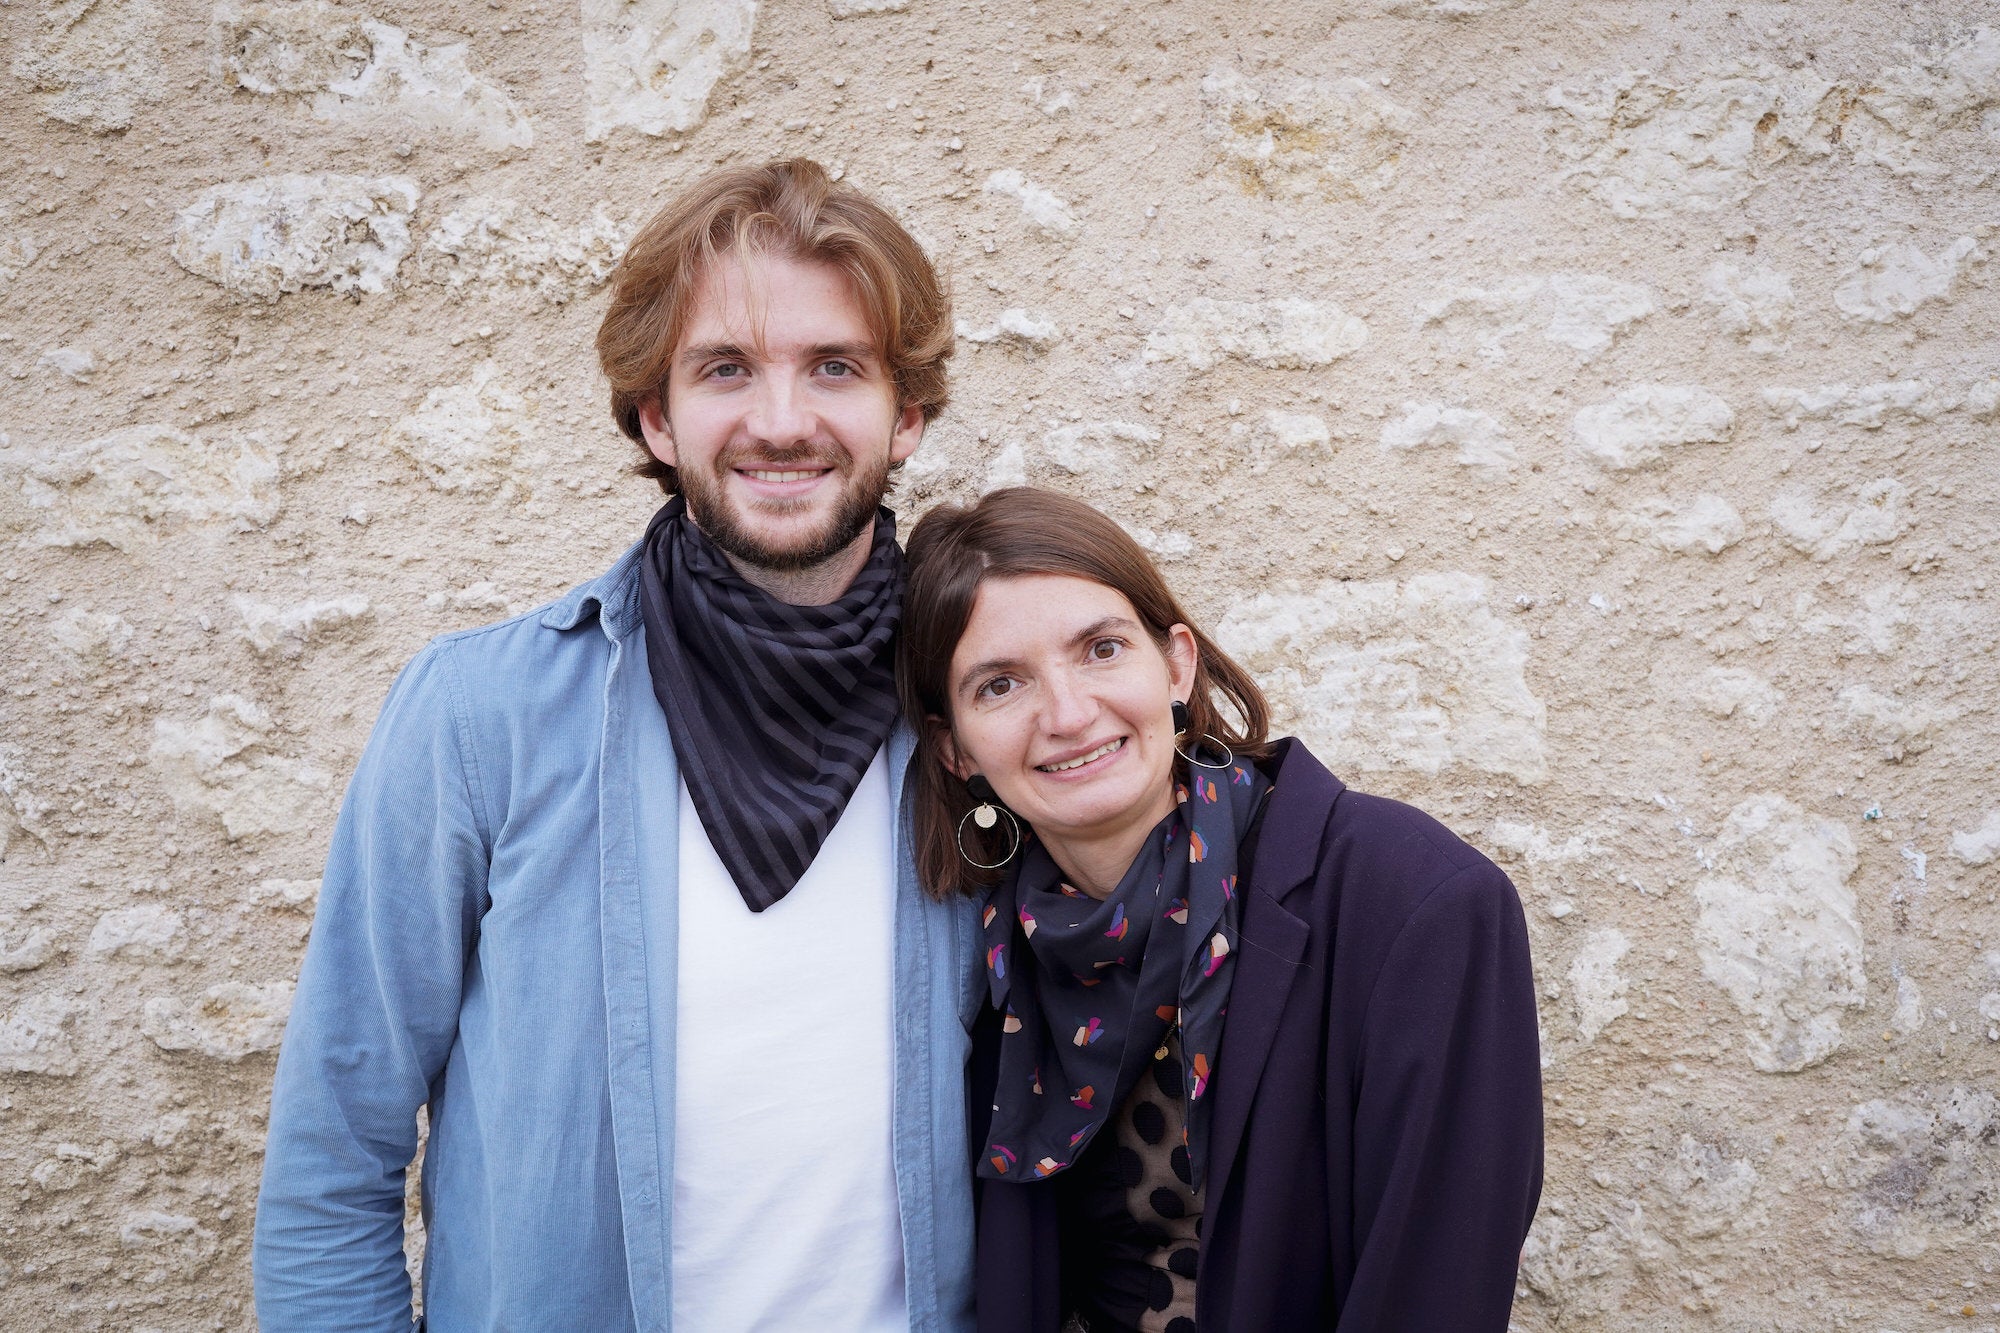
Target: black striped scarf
{"points": [[775, 710]]}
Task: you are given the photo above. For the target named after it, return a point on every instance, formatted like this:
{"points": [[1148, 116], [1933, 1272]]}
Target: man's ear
{"points": [[909, 433], [941, 740], [659, 433]]}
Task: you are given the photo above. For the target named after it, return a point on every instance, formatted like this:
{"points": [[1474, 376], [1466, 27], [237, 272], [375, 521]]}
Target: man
{"points": [[619, 890]]}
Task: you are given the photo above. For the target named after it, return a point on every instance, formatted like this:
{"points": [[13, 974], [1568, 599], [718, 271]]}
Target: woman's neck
{"points": [[1096, 862]]}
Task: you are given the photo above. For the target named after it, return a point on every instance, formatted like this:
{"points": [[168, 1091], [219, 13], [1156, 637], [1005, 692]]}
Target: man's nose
{"points": [[779, 414]]}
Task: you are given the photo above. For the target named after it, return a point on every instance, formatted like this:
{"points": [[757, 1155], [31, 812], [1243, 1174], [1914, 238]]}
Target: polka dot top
{"points": [[1131, 1227]]}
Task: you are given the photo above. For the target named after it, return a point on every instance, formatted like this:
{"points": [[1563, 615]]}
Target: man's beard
{"points": [[861, 492]]}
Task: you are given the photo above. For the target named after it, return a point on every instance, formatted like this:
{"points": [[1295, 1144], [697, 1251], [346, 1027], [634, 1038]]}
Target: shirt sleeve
{"points": [[1448, 1117], [374, 1016]]}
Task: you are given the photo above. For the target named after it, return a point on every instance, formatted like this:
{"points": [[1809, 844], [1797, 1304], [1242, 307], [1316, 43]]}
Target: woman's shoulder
{"points": [[1379, 854]]}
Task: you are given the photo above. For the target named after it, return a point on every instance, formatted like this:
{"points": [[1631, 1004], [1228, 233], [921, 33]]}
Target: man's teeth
{"points": [[1083, 759], [782, 476]]}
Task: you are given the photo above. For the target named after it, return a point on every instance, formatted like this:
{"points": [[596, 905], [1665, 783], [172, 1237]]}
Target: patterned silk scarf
{"points": [[775, 710], [1088, 989]]}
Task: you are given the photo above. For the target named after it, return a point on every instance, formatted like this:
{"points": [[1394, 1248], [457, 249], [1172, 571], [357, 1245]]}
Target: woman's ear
{"points": [[1182, 658], [941, 740]]}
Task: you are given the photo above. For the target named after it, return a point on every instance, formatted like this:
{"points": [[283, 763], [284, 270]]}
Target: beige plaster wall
{"points": [[1583, 415]]}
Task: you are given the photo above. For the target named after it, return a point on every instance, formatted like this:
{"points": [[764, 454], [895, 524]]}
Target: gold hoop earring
{"points": [[988, 814], [1182, 721]]}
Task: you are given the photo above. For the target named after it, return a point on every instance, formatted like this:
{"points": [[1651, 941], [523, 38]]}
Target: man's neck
{"points": [[815, 585]]}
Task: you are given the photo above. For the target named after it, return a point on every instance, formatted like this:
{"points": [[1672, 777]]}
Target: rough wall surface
{"points": [[1582, 415]]}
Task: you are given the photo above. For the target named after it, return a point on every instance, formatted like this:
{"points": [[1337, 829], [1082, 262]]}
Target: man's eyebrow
{"points": [[1095, 629], [855, 350], [694, 356]]}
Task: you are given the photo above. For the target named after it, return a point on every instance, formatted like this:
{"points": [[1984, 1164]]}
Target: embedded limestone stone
{"points": [[1902, 727], [35, 949], [228, 1023], [35, 1036], [465, 437], [1098, 448], [1754, 303], [1876, 518], [1014, 327], [284, 895], [264, 237], [1706, 523], [650, 65], [358, 69], [1981, 845], [1481, 441], [1635, 427], [223, 764], [1889, 282], [1647, 148], [91, 637], [95, 65], [146, 933], [128, 488], [1339, 138], [1286, 334], [1585, 312], [1778, 930], [287, 630], [1038, 205], [17, 252], [1919, 1168], [21, 810], [1941, 87], [1415, 675], [496, 242], [1596, 987], [1735, 692], [1869, 406]]}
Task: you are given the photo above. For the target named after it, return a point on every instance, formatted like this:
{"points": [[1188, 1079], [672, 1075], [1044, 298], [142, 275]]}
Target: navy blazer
{"points": [[1378, 1118]]}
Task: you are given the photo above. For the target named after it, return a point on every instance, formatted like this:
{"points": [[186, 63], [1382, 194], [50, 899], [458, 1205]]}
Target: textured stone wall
{"points": [[1582, 415]]}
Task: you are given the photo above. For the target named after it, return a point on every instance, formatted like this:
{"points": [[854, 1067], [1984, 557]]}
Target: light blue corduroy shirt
{"points": [[497, 940]]}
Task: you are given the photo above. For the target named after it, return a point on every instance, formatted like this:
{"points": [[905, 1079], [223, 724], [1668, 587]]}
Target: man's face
{"points": [[780, 414]]}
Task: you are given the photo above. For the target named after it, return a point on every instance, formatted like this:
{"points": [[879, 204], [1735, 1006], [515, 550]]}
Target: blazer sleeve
{"points": [[374, 1016], [1447, 1128]]}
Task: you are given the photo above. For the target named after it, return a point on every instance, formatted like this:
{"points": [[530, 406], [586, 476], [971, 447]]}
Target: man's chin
{"points": [[784, 536]]}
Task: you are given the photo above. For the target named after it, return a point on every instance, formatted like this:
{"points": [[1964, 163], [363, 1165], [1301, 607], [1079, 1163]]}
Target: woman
{"points": [[1261, 1050]]}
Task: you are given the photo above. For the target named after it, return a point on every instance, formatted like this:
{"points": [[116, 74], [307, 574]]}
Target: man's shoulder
{"points": [[534, 658]]}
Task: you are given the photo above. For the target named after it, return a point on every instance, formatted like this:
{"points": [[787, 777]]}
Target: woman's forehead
{"points": [[1041, 607]]}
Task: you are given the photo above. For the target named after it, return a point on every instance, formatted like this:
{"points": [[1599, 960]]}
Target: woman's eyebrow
{"points": [[1095, 629]]}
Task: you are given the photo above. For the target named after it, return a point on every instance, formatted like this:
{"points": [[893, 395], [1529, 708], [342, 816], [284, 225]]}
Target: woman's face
{"points": [[1063, 701]]}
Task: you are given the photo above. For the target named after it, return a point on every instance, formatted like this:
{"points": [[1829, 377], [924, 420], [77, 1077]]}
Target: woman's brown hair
{"points": [[1007, 534], [789, 208]]}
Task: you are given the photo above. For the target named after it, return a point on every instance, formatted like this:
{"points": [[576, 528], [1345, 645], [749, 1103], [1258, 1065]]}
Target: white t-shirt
{"points": [[785, 1213]]}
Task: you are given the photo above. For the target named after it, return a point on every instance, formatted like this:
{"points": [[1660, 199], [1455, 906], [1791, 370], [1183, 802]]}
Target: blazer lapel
{"points": [[1267, 967], [1273, 944]]}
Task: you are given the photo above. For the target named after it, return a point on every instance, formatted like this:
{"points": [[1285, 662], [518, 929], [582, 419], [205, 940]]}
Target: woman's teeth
{"points": [[1082, 759]]}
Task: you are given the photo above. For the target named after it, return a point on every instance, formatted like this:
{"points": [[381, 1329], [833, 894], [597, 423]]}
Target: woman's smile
{"points": [[1076, 764]]}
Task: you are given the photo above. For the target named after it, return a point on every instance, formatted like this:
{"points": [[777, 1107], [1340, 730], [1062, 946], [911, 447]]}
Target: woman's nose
{"points": [[1071, 708]]}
